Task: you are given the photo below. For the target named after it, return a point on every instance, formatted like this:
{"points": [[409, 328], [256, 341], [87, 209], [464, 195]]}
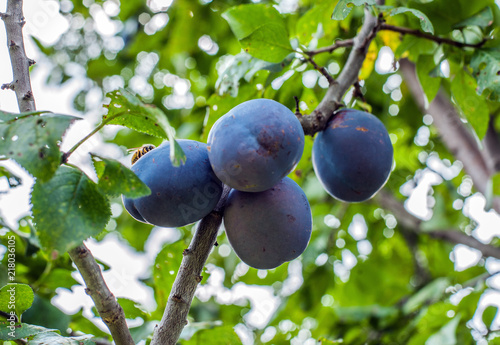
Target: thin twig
{"points": [[338, 44], [297, 106], [418, 33], [321, 70], [105, 302], [357, 92], [409, 222], [14, 22], [189, 276], [349, 75]]}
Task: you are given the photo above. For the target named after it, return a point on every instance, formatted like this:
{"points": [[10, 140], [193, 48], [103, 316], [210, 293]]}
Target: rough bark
{"points": [[105, 302], [189, 276], [14, 22]]}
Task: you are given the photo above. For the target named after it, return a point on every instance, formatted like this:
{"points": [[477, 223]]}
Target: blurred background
{"points": [[366, 276]]}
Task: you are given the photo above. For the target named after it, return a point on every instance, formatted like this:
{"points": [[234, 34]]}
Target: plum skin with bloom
{"points": [[179, 195], [268, 228], [353, 155], [255, 145]]}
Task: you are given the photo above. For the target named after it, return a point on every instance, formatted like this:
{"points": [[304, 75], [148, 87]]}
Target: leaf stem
{"points": [[66, 155], [43, 276], [418, 33]]}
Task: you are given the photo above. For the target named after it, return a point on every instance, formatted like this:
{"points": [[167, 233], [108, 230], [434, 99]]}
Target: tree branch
{"points": [[14, 22], [409, 222], [418, 33], [454, 134], [491, 143], [189, 276], [330, 49], [110, 311], [349, 75]]}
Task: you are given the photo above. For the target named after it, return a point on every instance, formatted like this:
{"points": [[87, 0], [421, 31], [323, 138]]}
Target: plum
{"points": [[255, 145], [268, 228], [352, 156], [179, 195]]}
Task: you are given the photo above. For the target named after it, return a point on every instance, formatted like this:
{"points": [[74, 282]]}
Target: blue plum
{"points": [[268, 228], [353, 155], [179, 195], [255, 145]]}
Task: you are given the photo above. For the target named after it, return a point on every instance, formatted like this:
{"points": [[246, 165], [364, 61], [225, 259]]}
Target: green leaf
{"points": [[193, 327], [224, 335], [76, 211], [127, 110], [489, 315], [425, 23], [430, 85], [415, 46], [116, 179], [167, 264], [245, 19], [233, 68], [486, 66], [16, 297], [344, 7], [428, 294], [261, 31], [12, 179], [446, 335], [56, 339], [59, 278], [33, 139], [21, 331], [444, 17], [496, 184], [132, 309], [483, 18], [269, 43], [43, 313], [474, 107], [143, 332]]}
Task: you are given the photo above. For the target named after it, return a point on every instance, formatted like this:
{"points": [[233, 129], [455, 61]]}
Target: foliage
{"points": [[170, 71]]}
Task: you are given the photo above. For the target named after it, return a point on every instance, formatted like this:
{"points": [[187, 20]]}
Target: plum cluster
{"points": [[252, 149]]}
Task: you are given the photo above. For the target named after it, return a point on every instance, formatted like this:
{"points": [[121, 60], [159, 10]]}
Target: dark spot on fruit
{"points": [[269, 145], [290, 218]]}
